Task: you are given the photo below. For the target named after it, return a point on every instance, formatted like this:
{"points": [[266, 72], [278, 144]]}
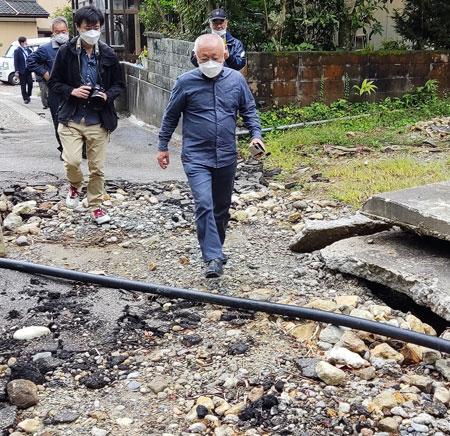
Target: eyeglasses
{"points": [[217, 21]]}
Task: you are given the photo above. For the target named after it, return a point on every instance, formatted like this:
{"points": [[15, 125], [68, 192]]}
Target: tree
{"points": [[65, 12], [270, 25], [425, 23]]}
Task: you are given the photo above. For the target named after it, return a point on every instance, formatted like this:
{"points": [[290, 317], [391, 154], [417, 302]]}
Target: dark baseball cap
{"points": [[218, 14]]}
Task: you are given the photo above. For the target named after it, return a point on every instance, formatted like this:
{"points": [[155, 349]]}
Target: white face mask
{"points": [[61, 38], [90, 37], [219, 32], [211, 68]]}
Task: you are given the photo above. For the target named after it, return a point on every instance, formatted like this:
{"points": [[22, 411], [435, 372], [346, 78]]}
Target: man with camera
{"points": [[87, 78], [210, 98]]}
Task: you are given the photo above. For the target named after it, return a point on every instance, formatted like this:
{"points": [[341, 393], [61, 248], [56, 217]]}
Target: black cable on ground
{"points": [[237, 303]]}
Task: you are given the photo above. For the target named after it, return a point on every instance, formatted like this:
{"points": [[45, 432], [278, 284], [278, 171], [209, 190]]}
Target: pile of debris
{"points": [[410, 257]]}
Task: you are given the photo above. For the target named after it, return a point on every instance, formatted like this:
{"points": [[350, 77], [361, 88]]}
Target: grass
{"points": [[356, 181], [354, 177]]}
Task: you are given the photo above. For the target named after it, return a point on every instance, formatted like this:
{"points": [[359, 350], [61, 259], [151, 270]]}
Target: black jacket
{"points": [[66, 76], [20, 64]]}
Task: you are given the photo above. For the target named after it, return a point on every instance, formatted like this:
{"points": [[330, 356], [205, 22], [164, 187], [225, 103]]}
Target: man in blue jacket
{"points": [[41, 63], [234, 50], [209, 97], [21, 70]]}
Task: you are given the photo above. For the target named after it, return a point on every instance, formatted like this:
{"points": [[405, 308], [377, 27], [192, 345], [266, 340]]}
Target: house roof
{"points": [[22, 8]]}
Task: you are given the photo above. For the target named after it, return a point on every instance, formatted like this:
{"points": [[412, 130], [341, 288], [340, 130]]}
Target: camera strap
{"points": [[97, 61]]}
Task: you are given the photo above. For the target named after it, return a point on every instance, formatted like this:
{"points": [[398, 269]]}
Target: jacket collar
{"points": [[105, 52]]}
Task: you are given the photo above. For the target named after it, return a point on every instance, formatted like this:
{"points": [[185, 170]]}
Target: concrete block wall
{"points": [[283, 78]]}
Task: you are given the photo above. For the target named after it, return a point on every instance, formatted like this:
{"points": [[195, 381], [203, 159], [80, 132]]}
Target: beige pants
{"points": [[96, 137]]}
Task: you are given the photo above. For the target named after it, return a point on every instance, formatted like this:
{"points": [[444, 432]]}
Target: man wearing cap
{"points": [[209, 97], [234, 50]]}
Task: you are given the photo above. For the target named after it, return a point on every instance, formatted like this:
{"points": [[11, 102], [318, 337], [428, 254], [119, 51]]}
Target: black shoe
{"points": [[214, 268], [44, 107], [27, 101], [224, 259]]}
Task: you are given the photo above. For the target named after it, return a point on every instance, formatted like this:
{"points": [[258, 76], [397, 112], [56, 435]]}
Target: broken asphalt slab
{"points": [[416, 266], [424, 210], [318, 234]]}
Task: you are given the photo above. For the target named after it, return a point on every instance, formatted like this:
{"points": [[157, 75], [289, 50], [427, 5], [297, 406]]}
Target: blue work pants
{"points": [[211, 189]]}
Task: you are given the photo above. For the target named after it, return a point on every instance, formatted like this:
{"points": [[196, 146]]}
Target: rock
{"points": [[347, 300], [255, 394], [441, 395], [352, 342], [27, 371], [330, 374], [124, 422], [365, 257], [321, 304], [222, 408], [367, 373], [202, 411], [385, 351], [415, 323], [316, 235], [388, 424], [30, 426], [430, 356], [362, 313], [22, 241], [345, 357], [443, 366], [153, 240], [7, 418], [191, 340], [198, 427], [205, 402], [22, 393], [304, 332], [331, 334], [95, 431], [412, 354], [388, 400], [12, 222], [424, 383], [31, 332], [64, 417], [25, 208], [158, 384], [307, 366], [94, 381]]}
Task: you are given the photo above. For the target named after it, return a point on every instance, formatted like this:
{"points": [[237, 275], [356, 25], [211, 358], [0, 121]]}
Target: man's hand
{"points": [[257, 141], [16, 74], [163, 159], [82, 92], [47, 75]]}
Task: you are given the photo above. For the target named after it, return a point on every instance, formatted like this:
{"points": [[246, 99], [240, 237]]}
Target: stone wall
{"points": [[276, 78], [283, 78]]}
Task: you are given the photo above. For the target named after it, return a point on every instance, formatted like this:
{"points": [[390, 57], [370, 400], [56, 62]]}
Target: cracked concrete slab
{"points": [[416, 266], [423, 209], [318, 234]]}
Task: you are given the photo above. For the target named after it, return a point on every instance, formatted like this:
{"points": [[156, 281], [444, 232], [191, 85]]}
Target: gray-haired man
{"points": [[209, 98]]}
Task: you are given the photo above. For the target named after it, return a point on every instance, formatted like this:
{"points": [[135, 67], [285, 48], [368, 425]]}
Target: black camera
{"points": [[95, 101]]}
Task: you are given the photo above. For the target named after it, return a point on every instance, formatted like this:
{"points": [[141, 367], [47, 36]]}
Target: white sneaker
{"points": [[100, 216], [73, 197]]}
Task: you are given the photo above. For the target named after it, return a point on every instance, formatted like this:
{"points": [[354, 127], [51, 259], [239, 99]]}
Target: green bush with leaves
{"points": [[65, 12], [269, 25], [426, 23]]}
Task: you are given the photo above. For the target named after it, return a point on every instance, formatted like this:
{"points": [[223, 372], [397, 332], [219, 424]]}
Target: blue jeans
{"points": [[212, 189]]}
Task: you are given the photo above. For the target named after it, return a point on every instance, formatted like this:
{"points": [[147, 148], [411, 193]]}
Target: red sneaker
{"points": [[100, 216], [73, 197]]}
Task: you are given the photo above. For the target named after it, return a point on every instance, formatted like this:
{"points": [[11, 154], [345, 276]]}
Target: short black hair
{"points": [[22, 39], [90, 14]]}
